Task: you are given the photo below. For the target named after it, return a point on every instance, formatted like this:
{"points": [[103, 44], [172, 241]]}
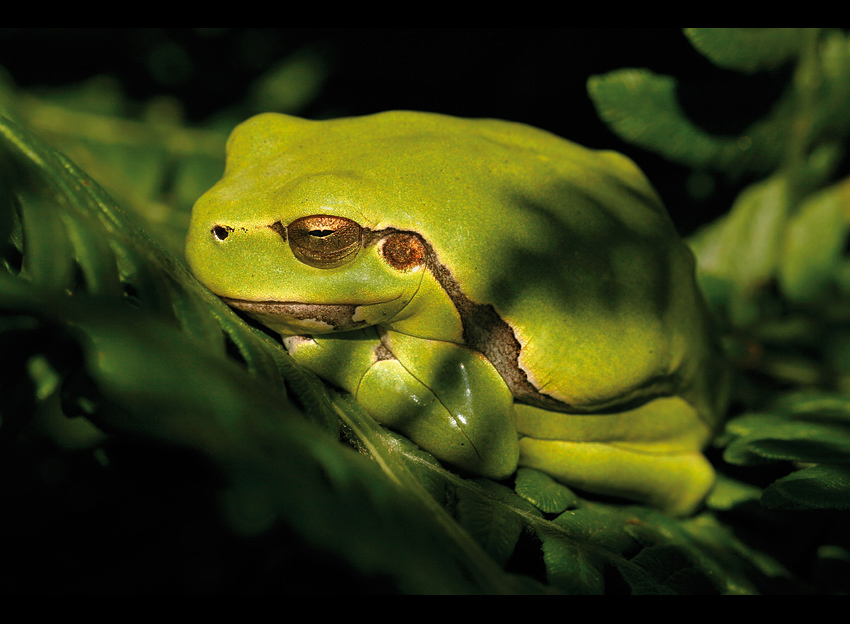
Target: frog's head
{"points": [[300, 247]]}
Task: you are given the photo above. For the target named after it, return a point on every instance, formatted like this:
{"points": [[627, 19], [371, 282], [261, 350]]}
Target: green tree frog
{"points": [[501, 296]]}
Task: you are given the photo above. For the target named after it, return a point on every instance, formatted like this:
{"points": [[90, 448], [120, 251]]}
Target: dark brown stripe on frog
{"points": [[338, 316]]}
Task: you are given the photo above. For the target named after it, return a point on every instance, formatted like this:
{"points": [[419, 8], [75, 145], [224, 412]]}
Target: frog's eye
{"points": [[324, 241]]}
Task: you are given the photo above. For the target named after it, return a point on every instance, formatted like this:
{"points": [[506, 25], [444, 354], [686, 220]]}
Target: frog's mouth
{"points": [[301, 318]]}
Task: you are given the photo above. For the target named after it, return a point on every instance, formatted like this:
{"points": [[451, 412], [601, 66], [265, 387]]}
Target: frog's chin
{"points": [[300, 318]]}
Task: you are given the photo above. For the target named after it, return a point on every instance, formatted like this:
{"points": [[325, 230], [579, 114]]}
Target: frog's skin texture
{"points": [[499, 295]]}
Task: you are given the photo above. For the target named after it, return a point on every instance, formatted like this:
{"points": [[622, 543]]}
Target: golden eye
{"points": [[324, 241]]}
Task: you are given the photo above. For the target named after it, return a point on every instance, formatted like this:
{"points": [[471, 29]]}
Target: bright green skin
{"points": [[602, 327]]}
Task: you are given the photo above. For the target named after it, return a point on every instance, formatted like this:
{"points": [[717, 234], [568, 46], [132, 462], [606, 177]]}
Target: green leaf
{"points": [[742, 250], [653, 553], [732, 565], [810, 429], [764, 437], [710, 558], [290, 85], [815, 406], [813, 249], [491, 519], [746, 49], [660, 570], [729, 493], [152, 163], [544, 492], [642, 108], [574, 569], [817, 487], [601, 525]]}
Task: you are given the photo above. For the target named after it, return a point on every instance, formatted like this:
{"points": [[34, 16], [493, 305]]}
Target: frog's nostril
{"points": [[221, 232]]}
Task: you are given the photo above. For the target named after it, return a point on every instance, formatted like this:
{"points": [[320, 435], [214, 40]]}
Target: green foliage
{"points": [[747, 49], [799, 131], [811, 430], [775, 267], [642, 108], [137, 399]]}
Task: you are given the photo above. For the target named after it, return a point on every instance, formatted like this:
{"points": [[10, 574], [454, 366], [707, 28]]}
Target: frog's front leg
{"points": [[444, 397]]}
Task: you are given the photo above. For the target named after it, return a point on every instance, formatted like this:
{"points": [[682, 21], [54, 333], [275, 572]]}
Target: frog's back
{"points": [[575, 252]]}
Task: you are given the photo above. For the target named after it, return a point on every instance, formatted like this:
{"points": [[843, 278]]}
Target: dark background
{"points": [[533, 75]]}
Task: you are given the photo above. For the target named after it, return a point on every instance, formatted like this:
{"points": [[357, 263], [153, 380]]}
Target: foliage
{"points": [[774, 267], [151, 440]]}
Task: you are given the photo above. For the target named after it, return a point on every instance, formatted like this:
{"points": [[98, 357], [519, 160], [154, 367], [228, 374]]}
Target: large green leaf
{"points": [[642, 107], [813, 250], [746, 49]]}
